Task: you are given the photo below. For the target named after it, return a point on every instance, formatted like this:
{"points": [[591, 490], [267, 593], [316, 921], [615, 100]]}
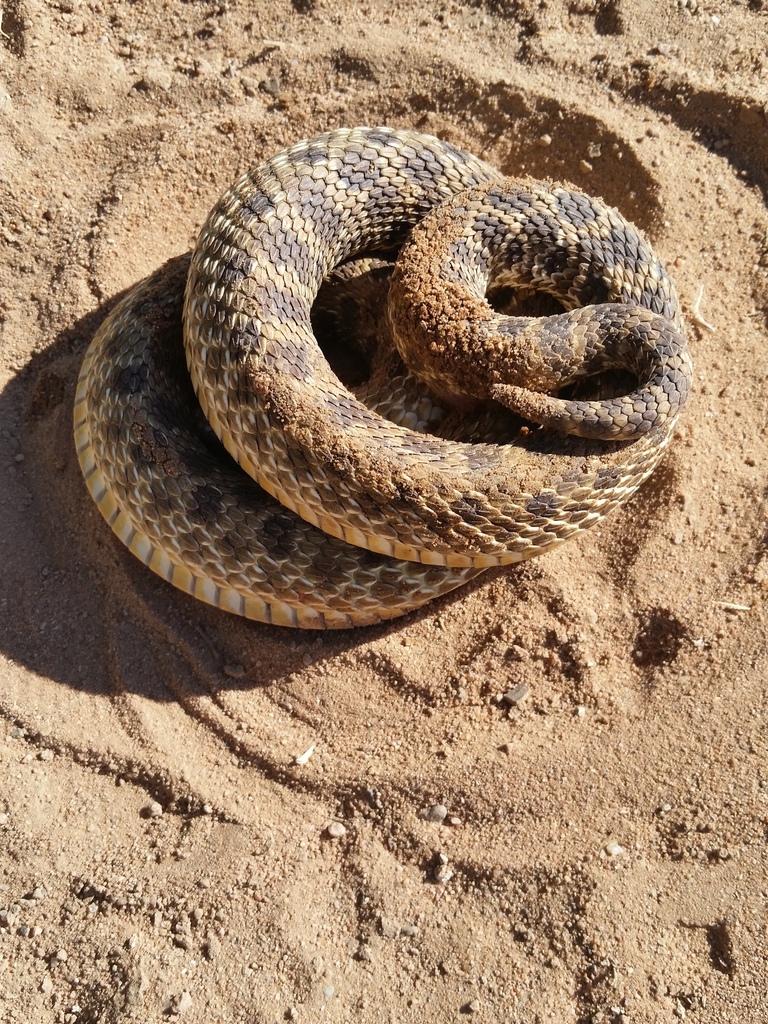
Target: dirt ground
{"points": [[594, 852]]}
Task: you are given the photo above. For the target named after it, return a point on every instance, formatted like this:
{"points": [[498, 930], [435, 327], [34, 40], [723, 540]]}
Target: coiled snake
{"points": [[374, 517]]}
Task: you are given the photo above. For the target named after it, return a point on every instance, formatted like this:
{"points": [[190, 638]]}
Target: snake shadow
{"points": [[75, 604]]}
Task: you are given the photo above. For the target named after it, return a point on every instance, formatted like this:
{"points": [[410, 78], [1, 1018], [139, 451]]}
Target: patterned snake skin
{"points": [[170, 493]]}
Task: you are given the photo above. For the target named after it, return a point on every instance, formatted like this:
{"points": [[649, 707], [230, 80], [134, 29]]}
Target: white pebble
{"points": [[613, 849], [336, 830], [443, 873], [154, 810]]}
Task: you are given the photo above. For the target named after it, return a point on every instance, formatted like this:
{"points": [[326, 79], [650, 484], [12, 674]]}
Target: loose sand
{"points": [[605, 838]]}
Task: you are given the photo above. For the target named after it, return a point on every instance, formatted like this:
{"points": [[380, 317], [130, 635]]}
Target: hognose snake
{"points": [[404, 515]]}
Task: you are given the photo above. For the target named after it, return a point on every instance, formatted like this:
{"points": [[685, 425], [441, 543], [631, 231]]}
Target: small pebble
{"points": [[45, 755], [585, 166], [613, 849], [156, 76], [409, 930], [328, 991], [184, 1002], [154, 810], [474, 1006], [437, 813], [212, 947], [272, 86], [60, 956], [336, 830], [46, 986], [443, 873], [545, 140], [517, 694], [234, 671]]}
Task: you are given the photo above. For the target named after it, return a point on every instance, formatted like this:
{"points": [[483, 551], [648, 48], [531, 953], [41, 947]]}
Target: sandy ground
{"points": [[604, 849]]}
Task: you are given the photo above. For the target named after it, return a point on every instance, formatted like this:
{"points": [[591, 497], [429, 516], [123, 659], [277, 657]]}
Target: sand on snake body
{"points": [[271, 398]]}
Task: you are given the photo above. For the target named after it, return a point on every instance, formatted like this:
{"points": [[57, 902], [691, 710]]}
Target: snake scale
{"points": [[344, 517]]}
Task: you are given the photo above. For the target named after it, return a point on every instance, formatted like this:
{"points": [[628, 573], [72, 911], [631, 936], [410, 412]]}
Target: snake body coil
{"points": [[271, 398]]}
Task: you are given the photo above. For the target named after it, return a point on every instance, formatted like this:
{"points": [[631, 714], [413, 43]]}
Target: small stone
{"points": [[183, 1003], [585, 166], [46, 986], [443, 873], [545, 140], [250, 85], [234, 671], [336, 830], [409, 930], [613, 849], [156, 76], [272, 86], [39, 893], [517, 694], [474, 1006], [328, 991], [45, 755], [154, 810], [60, 956], [207, 808], [212, 947], [436, 813]]}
